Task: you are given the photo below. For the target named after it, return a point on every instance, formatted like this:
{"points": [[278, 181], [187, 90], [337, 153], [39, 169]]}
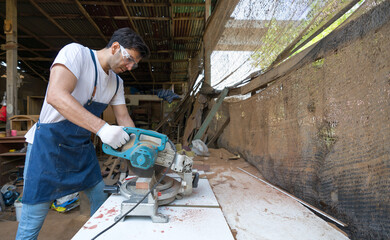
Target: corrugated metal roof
{"points": [[45, 26]]}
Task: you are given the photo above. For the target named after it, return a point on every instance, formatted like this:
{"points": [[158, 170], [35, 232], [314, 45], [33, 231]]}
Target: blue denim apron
{"points": [[63, 158]]}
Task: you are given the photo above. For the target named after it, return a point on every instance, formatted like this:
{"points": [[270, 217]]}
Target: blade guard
{"points": [[143, 153]]}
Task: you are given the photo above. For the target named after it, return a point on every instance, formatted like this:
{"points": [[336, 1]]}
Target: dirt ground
{"points": [[60, 226], [252, 209]]}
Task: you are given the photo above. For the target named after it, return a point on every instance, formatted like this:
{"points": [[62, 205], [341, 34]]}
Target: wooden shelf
{"points": [[34, 104], [12, 141], [12, 154], [12, 138], [9, 161]]}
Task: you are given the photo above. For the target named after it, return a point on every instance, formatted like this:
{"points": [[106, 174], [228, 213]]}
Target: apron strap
{"points": [[117, 84], [96, 75]]}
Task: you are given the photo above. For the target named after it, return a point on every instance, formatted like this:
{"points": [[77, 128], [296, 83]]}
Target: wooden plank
{"points": [[213, 32], [52, 20], [192, 122], [286, 67], [211, 114], [219, 132], [11, 154], [216, 23], [326, 25], [108, 180], [297, 199], [196, 216], [34, 104], [90, 20], [138, 4], [235, 91]]}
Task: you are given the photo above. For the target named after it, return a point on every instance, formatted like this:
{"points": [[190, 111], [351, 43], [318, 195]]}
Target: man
{"points": [[60, 158]]}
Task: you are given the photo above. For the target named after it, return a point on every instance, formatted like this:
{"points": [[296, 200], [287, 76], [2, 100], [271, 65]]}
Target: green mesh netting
{"points": [[260, 32]]}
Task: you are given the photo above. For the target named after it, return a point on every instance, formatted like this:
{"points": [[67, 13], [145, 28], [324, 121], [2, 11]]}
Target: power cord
{"points": [[139, 202]]}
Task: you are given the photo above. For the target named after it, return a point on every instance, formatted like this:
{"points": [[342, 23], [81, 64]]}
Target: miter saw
{"points": [[149, 154]]}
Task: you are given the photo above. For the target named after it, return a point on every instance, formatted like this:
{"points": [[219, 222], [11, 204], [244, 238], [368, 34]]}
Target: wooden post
{"points": [[214, 30], [207, 64], [10, 29], [207, 9], [207, 49], [210, 116]]}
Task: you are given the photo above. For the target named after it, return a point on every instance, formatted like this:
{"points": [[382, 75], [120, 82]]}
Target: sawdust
{"points": [[255, 211], [193, 215]]}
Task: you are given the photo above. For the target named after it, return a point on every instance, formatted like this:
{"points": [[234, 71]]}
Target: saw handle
{"points": [[138, 132], [195, 180]]}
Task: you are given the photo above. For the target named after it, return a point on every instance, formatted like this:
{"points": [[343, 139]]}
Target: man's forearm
{"points": [[126, 122], [122, 115]]}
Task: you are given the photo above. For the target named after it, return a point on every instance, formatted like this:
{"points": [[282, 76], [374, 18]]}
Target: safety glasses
{"points": [[128, 59]]}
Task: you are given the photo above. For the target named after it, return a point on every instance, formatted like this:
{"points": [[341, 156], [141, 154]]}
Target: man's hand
{"points": [[114, 136]]}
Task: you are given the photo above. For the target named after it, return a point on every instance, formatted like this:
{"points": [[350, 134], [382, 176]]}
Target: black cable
{"points": [[139, 202]]}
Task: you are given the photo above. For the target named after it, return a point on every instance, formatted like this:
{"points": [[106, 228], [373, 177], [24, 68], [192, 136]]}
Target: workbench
{"points": [[194, 217]]}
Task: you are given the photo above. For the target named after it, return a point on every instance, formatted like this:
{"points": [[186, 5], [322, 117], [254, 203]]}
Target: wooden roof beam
{"points": [[90, 20], [52, 20], [123, 4], [46, 59], [214, 28], [20, 46], [53, 49], [151, 83], [157, 72], [131, 4], [99, 37], [30, 33], [134, 4]]}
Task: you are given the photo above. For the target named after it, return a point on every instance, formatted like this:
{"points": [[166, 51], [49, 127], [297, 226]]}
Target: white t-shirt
{"points": [[78, 60]]}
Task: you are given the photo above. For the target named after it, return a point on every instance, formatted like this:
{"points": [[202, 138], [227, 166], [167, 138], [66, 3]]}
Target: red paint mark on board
{"points": [[91, 227], [162, 231], [100, 216], [112, 211]]}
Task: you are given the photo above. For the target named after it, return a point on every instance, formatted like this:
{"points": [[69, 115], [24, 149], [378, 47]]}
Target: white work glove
{"points": [[114, 136]]}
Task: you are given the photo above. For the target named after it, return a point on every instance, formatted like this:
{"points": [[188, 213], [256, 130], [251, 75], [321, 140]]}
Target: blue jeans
{"points": [[33, 215]]}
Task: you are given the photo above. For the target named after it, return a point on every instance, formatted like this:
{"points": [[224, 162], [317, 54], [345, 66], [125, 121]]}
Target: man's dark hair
{"points": [[130, 40]]}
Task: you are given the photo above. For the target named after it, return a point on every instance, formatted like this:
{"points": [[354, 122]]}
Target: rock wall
{"points": [[322, 132]]}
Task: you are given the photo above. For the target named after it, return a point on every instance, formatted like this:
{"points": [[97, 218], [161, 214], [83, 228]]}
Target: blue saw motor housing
{"points": [[143, 153]]}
